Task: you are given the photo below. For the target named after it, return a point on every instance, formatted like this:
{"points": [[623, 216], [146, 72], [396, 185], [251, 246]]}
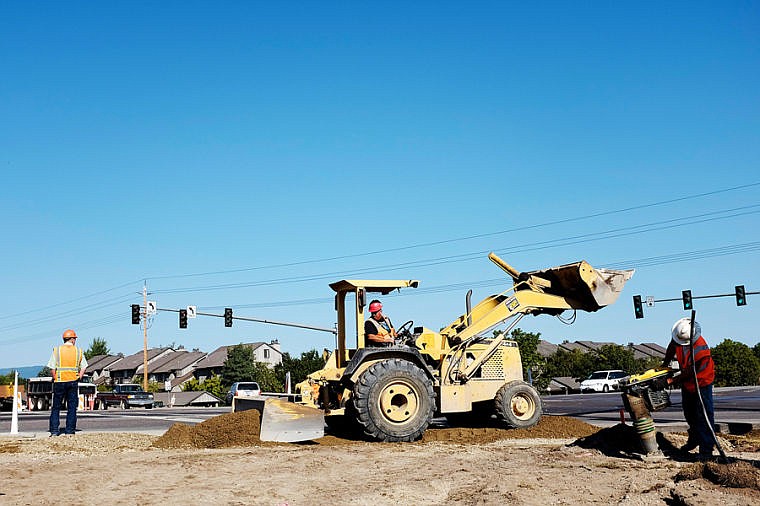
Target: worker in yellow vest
{"points": [[67, 364]]}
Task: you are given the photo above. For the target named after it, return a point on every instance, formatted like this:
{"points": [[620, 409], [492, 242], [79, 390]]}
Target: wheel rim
{"points": [[399, 402], [522, 406]]}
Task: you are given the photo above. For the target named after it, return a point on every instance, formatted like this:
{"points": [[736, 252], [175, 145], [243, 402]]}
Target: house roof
{"points": [[217, 357], [568, 346], [100, 362], [187, 398], [546, 349], [659, 350], [136, 360], [176, 361], [564, 382]]}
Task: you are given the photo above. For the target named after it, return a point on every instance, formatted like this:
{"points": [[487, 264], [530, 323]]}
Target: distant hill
{"points": [[24, 372]]}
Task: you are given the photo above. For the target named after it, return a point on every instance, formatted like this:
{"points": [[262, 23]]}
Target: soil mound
{"points": [[223, 431], [550, 427], [617, 441], [735, 474]]}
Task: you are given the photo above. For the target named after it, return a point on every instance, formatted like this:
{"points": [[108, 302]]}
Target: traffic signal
{"points": [[686, 295], [228, 317], [741, 298], [183, 318], [135, 314], [637, 309]]}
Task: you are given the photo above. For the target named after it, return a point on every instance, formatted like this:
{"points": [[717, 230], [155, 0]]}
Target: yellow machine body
{"points": [[461, 365]]}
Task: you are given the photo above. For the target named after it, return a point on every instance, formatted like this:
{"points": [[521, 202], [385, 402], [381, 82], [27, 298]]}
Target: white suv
{"points": [[603, 381]]}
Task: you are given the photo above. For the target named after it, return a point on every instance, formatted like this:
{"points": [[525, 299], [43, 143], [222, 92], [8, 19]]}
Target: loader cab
{"points": [[351, 320]]}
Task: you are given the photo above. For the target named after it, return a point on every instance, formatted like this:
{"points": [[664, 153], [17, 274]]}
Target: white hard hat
{"points": [[682, 329]]}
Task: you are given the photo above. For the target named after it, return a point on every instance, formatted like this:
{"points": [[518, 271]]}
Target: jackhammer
{"points": [[643, 394]]}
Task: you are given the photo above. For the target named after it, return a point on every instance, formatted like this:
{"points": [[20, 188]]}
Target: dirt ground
{"points": [[222, 461]]}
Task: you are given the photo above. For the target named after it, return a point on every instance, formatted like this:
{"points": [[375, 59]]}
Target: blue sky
{"points": [[246, 154]]}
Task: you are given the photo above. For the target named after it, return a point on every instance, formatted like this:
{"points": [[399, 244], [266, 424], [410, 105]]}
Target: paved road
{"points": [[151, 421], [736, 410]]}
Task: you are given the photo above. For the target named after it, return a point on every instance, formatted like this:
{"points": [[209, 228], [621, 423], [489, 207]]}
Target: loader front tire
{"points": [[518, 404], [394, 401]]}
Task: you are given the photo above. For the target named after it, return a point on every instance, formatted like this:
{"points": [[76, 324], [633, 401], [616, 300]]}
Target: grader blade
{"points": [[283, 421]]}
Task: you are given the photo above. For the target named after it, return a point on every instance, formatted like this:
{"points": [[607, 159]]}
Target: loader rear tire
{"points": [[394, 401], [518, 404]]}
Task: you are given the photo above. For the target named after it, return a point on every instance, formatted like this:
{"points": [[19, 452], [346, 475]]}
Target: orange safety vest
{"points": [[380, 329], [705, 365], [69, 360]]}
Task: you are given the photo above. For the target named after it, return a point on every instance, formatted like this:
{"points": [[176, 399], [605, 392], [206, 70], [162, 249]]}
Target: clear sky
{"points": [[246, 154]]}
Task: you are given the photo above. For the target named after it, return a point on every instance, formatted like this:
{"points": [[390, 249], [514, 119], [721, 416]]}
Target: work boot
{"points": [[689, 446]]}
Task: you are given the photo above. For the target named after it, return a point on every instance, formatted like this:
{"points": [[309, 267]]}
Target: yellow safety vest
{"points": [[69, 360]]}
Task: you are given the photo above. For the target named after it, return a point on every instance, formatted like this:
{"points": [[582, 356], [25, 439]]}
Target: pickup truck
{"points": [[125, 396]]}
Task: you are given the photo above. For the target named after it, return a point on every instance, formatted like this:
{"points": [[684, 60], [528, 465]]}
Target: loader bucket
{"points": [[282, 420], [584, 287]]}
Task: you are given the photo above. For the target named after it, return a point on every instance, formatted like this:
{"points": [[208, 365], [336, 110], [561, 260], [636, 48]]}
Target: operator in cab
{"points": [[378, 329]]}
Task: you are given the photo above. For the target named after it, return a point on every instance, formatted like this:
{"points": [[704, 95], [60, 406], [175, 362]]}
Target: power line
{"points": [[465, 238], [528, 247]]}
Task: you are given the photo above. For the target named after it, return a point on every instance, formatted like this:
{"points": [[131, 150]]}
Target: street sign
{"points": [[191, 311], [151, 309], [650, 301]]}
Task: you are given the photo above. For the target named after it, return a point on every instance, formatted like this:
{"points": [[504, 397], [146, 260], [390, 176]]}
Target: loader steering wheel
{"points": [[404, 332]]}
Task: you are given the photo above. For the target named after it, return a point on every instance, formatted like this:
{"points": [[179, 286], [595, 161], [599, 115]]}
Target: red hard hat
{"points": [[374, 307], [69, 334]]}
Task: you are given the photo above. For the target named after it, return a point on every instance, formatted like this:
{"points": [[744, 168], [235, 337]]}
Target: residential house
{"points": [[212, 364], [98, 367], [176, 367], [124, 370]]}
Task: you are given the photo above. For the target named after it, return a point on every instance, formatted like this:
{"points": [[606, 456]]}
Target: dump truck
{"points": [[461, 371]]}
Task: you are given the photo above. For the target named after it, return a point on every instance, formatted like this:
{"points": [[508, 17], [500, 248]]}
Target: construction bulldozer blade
{"points": [[283, 421]]}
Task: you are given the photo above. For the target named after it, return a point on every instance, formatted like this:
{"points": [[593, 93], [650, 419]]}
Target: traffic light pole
{"points": [[145, 336], [259, 320]]}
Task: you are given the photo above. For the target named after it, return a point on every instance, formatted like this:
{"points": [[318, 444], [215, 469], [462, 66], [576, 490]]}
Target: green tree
{"points": [[45, 372], [574, 364], [8, 379], [735, 364], [212, 385], [299, 368], [266, 378], [239, 365], [756, 350], [527, 342], [98, 346], [613, 356]]}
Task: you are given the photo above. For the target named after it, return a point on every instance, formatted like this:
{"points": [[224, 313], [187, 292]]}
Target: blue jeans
{"points": [[68, 390], [699, 431]]}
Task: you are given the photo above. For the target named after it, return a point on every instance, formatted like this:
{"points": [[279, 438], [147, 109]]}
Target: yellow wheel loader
{"points": [[392, 393]]}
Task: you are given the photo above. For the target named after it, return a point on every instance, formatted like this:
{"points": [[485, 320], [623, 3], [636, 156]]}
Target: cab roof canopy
{"points": [[383, 286]]}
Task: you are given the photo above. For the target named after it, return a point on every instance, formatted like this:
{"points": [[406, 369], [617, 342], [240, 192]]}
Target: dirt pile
{"points": [[749, 442], [223, 431], [734, 475], [617, 441], [550, 427]]}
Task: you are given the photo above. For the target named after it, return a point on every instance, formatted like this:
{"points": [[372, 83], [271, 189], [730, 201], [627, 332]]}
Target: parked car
{"points": [[603, 381], [242, 389]]}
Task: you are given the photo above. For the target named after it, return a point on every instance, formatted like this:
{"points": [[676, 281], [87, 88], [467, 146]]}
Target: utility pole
{"points": [[145, 336]]}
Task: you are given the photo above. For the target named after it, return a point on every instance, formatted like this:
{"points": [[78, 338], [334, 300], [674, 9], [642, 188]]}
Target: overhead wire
{"points": [[528, 247], [540, 245], [464, 238]]}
